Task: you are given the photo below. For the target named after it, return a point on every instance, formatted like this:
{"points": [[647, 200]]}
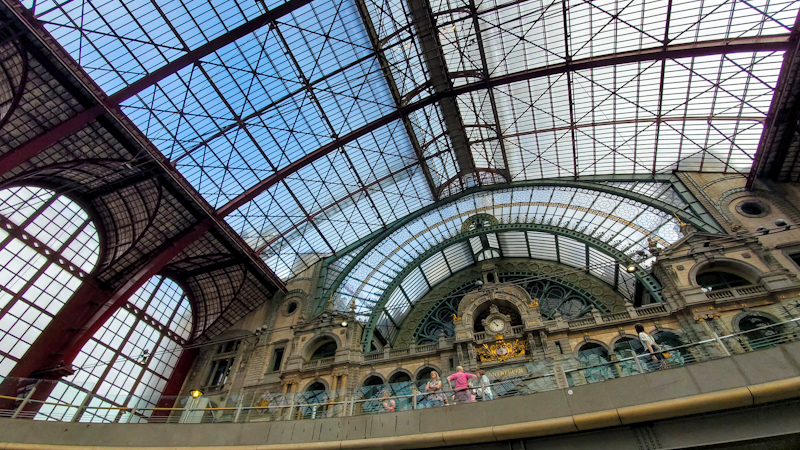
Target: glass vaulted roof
{"points": [[621, 223], [329, 120]]}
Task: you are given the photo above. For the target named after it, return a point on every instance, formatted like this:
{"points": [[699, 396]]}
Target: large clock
{"points": [[496, 322], [497, 325]]}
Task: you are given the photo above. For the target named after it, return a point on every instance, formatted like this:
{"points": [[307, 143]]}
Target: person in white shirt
{"points": [[650, 345], [485, 389]]}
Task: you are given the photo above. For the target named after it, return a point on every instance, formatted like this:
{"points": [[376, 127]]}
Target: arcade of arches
{"points": [[538, 311]]}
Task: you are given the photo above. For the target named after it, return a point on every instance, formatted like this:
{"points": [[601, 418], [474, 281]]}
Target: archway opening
{"points": [[593, 359], [716, 280], [726, 275], [424, 375], [627, 347], [372, 388], [668, 340], [761, 331], [313, 402], [325, 348], [591, 354], [400, 386]]}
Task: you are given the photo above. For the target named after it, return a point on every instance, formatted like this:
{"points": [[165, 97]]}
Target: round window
{"points": [[751, 208], [291, 308]]}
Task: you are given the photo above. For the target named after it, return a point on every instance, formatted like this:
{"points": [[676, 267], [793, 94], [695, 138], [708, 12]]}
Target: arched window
{"points": [[129, 360], [761, 331], [310, 402], [627, 347], [424, 376], [325, 349], [668, 340], [591, 354], [372, 388], [594, 357], [48, 244], [400, 386], [717, 280]]}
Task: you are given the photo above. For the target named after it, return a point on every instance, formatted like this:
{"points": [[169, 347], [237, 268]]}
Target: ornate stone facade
{"points": [[500, 327]]}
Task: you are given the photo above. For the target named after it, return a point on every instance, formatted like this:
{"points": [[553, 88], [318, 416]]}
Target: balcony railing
{"points": [[516, 379], [738, 292], [318, 363]]}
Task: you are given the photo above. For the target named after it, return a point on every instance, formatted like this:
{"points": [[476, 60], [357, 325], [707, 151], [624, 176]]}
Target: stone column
{"points": [[290, 399]]}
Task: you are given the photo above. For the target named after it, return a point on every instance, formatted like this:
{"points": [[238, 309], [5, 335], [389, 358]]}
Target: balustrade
{"points": [[740, 292]]}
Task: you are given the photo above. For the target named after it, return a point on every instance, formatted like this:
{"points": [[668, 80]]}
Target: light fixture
{"points": [[631, 268], [344, 323], [195, 393]]}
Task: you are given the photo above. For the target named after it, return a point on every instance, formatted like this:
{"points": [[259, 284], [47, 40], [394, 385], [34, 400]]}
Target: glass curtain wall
{"points": [[129, 360], [48, 244]]}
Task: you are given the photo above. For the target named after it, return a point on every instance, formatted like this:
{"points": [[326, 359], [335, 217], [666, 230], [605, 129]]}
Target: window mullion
{"points": [[114, 359], [145, 369]]}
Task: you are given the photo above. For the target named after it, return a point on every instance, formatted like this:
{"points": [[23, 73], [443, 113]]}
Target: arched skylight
{"points": [[129, 360], [622, 223], [48, 245]]}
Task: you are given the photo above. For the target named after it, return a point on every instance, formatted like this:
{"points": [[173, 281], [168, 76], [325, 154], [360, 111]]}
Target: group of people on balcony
{"points": [[466, 388]]}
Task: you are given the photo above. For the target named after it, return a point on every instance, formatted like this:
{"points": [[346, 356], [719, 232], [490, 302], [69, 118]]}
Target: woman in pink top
{"points": [[463, 394]]}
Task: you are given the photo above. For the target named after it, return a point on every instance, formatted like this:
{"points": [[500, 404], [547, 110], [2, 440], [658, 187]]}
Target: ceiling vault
{"points": [[715, 47], [398, 99], [433, 57]]}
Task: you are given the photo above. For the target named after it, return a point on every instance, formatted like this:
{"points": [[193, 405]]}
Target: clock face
{"points": [[496, 325]]}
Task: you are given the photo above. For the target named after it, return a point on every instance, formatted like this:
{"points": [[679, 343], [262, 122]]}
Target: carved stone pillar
{"points": [[531, 344], [473, 357], [545, 347]]}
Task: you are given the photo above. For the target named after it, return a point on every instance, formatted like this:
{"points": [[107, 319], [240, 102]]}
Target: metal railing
{"points": [[519, 378]]}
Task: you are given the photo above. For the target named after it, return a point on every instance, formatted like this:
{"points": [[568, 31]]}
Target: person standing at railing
{"points": [[657, 359], [388, 403], [434, 389], [463, 392], [484, 392]]}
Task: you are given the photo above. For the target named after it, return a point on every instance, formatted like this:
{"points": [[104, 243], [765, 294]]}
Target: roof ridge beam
{"points": [[433, 55], [398, 99]]}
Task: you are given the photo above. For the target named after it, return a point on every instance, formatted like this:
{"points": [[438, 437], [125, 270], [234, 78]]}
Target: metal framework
{"points": [[604, 267], [303, 130]]}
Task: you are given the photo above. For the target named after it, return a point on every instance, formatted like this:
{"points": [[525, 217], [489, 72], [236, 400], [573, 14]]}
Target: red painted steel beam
{"points": [[176, 380], [26, 151], [725, 46], [121, 295], [779, 116]]}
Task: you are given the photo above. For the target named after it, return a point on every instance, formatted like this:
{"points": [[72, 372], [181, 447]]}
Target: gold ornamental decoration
{"points": [[502, 350]]}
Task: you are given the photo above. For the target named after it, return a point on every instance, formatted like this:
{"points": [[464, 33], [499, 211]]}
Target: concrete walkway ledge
{"points": [[728, 399]]}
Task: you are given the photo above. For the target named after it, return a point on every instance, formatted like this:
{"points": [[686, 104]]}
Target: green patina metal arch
{"points": [[643, 276], [378, 236]]}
